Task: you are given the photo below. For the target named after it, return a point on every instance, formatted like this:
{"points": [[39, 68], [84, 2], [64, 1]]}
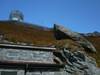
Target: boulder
{"points": [[62, 33]]}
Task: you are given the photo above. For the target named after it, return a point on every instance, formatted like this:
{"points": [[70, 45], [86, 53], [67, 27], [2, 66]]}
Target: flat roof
{"points": [[28, 47]]}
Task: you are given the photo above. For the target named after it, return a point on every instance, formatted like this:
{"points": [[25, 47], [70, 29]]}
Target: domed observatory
{"points": [[16, 15]]}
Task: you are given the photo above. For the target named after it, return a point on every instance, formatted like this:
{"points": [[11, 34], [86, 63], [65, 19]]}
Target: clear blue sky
{"points": [[77, 15]]}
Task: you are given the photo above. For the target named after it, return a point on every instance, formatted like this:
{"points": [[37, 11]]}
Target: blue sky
{"points": [[77, 15]]}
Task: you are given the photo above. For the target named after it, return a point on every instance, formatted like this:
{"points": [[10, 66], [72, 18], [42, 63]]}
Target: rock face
{"points": [[78, 62], [61, 31]]}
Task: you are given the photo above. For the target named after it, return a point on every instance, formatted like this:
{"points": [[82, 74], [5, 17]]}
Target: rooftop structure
{"points": [[16, 15]]}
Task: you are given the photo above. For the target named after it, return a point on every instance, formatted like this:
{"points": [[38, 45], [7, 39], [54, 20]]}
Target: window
{"points": [[8, 73]]}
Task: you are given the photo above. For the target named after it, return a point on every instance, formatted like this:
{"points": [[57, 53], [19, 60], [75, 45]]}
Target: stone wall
{"points": [[47, 73], [25, 55], [19, 72]]}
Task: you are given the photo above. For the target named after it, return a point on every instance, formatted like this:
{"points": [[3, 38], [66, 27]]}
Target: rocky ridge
{"points": [[79, 62], [95, 33]]}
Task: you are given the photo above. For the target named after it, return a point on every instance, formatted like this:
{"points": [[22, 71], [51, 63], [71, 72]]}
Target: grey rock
{"points": [[69, 56], [84, 64], [80, 55], [75, 36], [98, 71], [68, 69]]}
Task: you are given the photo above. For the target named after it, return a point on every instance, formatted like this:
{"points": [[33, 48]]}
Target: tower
{"points": [[16, 15]]}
